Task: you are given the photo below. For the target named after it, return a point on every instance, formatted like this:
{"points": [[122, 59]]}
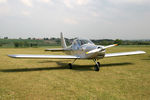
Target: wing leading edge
{"points": [[44, 56], [124, 53]]}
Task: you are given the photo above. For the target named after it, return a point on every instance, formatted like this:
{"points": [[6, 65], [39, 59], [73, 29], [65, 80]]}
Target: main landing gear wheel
{"points": [[96, 67], [70, 66]]}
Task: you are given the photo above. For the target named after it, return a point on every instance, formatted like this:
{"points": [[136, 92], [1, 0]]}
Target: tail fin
{"points": [[63, 42]]}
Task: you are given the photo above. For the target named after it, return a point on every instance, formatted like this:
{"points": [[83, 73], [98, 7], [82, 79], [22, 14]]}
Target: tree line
{"points": [[20, 43]]}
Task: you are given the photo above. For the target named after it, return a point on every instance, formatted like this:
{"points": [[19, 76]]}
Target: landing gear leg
{"points": [[70, 64], [97, 65]]}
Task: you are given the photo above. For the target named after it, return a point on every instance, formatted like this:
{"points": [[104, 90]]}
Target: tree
{"points": [[5, 37], [16, 44], [118, 41], [1, 44], [29, 38], [26, 44]]}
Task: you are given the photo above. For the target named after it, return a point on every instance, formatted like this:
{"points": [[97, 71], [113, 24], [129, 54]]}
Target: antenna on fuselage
{"points": [[63, 42]]}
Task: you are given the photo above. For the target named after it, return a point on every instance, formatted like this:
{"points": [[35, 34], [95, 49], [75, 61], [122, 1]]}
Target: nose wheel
{"points": [[97, 65]]}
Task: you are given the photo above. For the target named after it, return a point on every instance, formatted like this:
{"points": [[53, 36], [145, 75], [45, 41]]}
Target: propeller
{"points": [[100, 49]]}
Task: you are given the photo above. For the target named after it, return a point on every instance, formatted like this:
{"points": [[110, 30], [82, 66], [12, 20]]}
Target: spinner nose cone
{"points": [[101, 48], [98, 47]]}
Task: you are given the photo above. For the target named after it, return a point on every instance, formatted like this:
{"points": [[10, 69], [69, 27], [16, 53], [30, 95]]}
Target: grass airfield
{"points": [[119, 78]]}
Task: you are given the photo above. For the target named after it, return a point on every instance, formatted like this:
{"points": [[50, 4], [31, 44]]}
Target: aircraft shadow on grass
{"points": [[65, 66], [146, 58], [49, 61]]}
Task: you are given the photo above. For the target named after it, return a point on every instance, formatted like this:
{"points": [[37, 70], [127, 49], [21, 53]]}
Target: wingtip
{"points": [[143, 51], [12, 56], [9, 55]]}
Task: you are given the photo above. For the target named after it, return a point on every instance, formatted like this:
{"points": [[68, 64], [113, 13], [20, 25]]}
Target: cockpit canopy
{"points": [[80, 42]]}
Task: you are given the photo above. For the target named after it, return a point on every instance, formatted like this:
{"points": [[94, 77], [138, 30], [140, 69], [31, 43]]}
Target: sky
{"points": [[93, 19]]}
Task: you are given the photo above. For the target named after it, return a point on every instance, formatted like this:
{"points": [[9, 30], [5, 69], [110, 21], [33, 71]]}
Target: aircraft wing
{"points": [[44, 56], [124, 53]]}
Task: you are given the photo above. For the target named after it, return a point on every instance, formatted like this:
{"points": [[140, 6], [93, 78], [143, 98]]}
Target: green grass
{"points": [[120, 78]]}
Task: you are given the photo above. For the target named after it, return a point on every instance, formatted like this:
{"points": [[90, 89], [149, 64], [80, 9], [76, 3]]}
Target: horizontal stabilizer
{"points": [[57, 49], [44, 56], [124, 53]]}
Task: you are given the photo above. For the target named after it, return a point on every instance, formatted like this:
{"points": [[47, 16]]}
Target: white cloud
{"points": [[45, 1], [68, 3], [95, 14], [73, 3], [4, 10], [130, 1], [82, 2], [86, 15], [70, 21], [3, 1], [27, 3], [26, 13]]}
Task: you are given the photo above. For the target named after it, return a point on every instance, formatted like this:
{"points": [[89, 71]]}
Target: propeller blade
{"points": [[99, 49], [110, 46], [94, 51]]}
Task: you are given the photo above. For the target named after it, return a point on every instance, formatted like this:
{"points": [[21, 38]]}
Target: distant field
{"points": [[120, 78]]}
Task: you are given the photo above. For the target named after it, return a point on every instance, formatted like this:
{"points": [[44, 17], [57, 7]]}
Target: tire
{"points": [[96, 68], [70, 66]]}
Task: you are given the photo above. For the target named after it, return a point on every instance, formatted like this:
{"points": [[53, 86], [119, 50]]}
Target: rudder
{"points": [[63, 42]]}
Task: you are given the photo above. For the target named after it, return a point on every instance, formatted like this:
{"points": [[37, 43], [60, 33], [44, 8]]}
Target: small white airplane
{"points": [[80, 49]]}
